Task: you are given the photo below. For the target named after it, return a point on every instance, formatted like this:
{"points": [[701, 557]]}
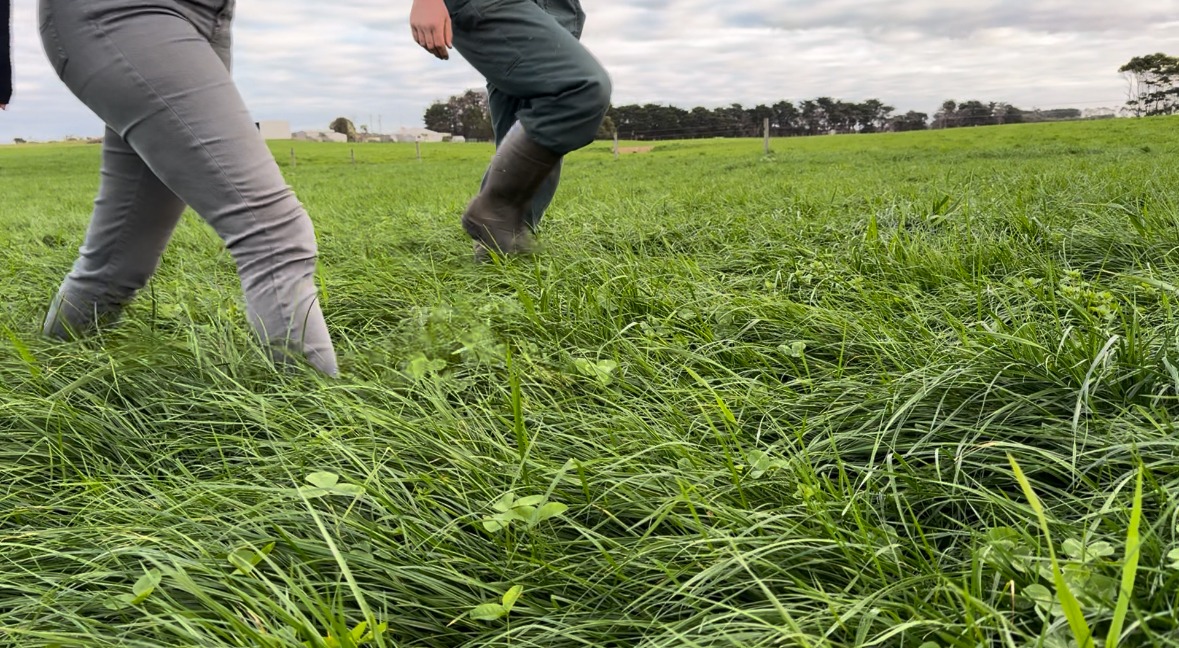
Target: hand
{"points": [[430, 22]]}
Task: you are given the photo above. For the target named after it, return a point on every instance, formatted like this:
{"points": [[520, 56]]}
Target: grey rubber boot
{"points": [[495, 218]]}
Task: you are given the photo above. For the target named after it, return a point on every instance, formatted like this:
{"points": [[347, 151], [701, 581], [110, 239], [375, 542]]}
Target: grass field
{"points": [[738, 400]]}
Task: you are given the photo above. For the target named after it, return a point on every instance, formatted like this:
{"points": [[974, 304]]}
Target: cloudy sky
{"points": [[299, 62]]}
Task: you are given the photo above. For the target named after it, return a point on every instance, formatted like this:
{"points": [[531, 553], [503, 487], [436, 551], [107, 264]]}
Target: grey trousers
{"points": [[157, 72], [537, 72]]}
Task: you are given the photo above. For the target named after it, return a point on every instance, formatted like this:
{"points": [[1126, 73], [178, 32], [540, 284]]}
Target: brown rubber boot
{"points": [[495, 217]]}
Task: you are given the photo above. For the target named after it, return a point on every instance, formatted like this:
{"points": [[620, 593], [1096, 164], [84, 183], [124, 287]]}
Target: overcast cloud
{"points": [[298, 61]]}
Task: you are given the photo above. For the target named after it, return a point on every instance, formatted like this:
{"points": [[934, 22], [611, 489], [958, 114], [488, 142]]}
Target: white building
{"points": [[274, 129], [320, 136], [377, 138], [419, 135]]}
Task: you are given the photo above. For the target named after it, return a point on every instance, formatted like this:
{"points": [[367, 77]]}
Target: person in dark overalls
{"points": [[548, 96], [5, 53]]}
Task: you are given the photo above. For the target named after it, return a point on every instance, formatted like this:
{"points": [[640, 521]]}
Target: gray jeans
{"points": [[157, 72]]}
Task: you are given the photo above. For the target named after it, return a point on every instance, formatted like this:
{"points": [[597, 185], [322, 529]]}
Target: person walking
{"points": [[547, 95], [158, 74]]}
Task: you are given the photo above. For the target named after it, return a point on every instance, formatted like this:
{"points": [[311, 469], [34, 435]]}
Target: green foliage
{"points": [[344, 126], [530, 511], [326, 483], [495, 611], [607, 129], [467, 115], [139, 593], [246, 558], [1153, 84], [358, 636]]}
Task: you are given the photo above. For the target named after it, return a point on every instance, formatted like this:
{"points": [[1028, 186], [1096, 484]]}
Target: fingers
{"points": [[431, 40], [421, 37], [440, 39], [435, 39], [445, 39], [438, 43], [428, 38]]}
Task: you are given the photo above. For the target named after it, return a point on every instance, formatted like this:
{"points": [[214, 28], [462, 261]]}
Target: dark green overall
{"points": [[537, 72]]}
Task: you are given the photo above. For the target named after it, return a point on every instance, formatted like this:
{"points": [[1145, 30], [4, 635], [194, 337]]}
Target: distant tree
{"points": [[784, 121], [1054, 114], [474, 115], [737, 121], [344, 126], [624, 120], [872, 116], [811, 120], [1061, 114], [467, 115], [954, 114], [702, 122], [1005, 113], [438, 117], [607, 129], [947, 115], [757, 116], [1153, 84], [910, 121], [825, 115], [974, 113]]}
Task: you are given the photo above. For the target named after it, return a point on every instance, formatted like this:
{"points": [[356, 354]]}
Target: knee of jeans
{"points": [[587, 108], [289, 239], [598, 90], [299, 236], [301, 247]]}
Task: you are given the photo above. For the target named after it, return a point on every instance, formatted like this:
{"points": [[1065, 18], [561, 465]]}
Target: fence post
{"points": [[616, 144], [766, 128], [294, 162], [353, 152], [418, 146]]}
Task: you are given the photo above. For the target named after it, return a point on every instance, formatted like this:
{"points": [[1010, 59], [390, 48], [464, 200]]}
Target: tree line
{"points": [[820, 116], [467, 115], [1153, 90]]}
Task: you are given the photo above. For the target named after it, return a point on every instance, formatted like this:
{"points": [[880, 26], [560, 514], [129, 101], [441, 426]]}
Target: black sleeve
{"points": [[5, 51]]}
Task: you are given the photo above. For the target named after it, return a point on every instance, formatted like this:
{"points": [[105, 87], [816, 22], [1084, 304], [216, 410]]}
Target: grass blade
{"points": [[1072, 608], [1129, 567]]}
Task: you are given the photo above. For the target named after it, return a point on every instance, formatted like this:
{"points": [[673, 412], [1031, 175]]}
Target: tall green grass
{"points": [[738, 400]]}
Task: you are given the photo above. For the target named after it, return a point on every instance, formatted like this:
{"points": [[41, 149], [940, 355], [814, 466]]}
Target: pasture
{"points": [[737, 400]]}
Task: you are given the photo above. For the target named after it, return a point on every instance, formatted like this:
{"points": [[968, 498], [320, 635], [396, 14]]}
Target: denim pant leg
{"points": [[157, 73]]}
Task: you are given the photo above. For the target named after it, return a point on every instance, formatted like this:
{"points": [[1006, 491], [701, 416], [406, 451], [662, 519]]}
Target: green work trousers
{"points": [[538, 73]]}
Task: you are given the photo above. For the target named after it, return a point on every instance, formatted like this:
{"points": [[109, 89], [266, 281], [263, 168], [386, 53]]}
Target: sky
{"points": [[297, 62]]}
